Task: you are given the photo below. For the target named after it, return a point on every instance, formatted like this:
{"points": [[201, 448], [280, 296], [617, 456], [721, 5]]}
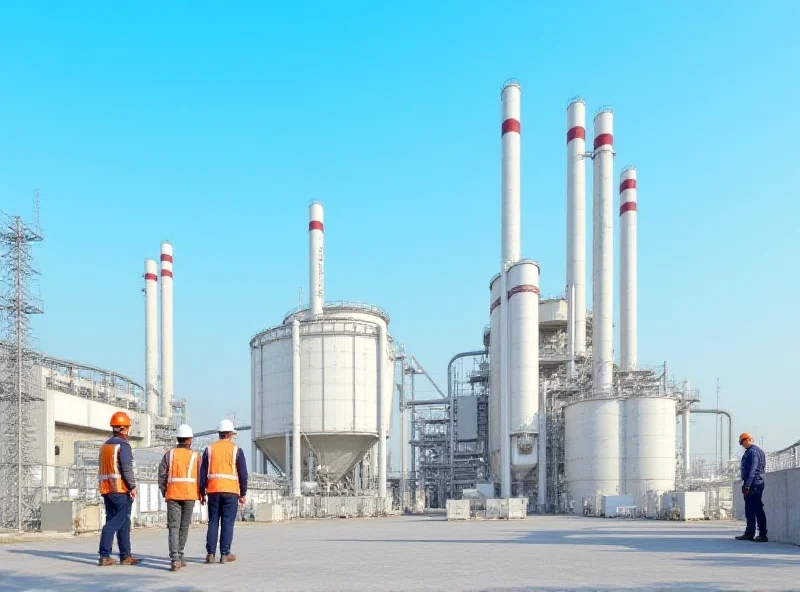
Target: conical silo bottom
{"points": [[335, 454]]}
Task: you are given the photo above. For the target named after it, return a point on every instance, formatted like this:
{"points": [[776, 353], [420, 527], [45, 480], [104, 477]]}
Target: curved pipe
{"points": [[730, 425], [452, 409]]}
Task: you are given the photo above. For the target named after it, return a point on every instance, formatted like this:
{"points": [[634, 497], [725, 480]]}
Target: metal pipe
{"points": [[403, 434], [381, 356], [542, 460], [505, 399], [730, 425], [687, 464], [296, 462], [287, 455]]}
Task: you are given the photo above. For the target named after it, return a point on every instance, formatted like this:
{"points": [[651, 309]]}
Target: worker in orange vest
{"points": [[223, 485], [118, 488], [177, 479]]}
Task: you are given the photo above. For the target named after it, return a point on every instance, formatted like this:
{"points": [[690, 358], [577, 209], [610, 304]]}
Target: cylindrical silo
{"points": [[627, 269], [576, 224], [593, 451], [649, 446], [151, 335], [603, 255], [523, 326], [166, 330], [338, 386]]}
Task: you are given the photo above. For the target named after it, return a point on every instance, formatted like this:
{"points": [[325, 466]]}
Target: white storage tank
{"points": [[339, 372], [593, 452], [649, 446]]}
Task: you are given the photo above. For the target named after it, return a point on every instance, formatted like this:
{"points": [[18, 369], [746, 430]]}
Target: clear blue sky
{"points": [[215, 128]]}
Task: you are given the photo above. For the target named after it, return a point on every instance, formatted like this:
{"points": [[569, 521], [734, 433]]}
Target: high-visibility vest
{"points": [[184, 466], [110, 477], [222, 474]]}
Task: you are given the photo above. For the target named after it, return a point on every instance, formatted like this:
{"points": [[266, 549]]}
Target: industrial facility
{"points": [[546, 411]]}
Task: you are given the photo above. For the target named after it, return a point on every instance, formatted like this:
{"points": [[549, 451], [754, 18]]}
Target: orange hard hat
{"points": [[120, 419], [744, 436]]}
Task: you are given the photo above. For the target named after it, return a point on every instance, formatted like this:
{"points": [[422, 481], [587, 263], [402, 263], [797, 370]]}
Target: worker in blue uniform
{"points": [[754, 464]]}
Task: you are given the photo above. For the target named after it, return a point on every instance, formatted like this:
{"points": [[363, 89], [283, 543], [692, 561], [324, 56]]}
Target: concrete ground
{"points": [[421, 553]]}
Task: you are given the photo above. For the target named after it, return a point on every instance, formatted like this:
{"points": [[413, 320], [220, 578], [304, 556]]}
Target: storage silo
{"points": [[649, 446], [346, 375]]}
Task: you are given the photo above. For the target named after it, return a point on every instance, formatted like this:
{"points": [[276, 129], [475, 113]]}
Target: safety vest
{"points": [[182, 475], [222, 474], [109, 477]]}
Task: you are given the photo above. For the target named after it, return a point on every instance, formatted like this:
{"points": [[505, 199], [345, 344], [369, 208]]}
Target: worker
{"points": [[754, 463], [118, 488], [223, 486], [178, 481]]}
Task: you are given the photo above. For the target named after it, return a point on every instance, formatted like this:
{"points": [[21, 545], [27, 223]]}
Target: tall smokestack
{"points": [[627, 269], [510, 134], [576, 226], [316, 256], [603, 254], [151, 335], [166, 330]]}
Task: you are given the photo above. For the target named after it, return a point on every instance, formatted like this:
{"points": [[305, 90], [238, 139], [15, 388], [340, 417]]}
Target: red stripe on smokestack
{"points": [[151, 276], [510, 125], [576, 132], [494, 305], [314, 225], [165, 257], [523, 288], [627, 184], [602, 140], [166, 273], [628, 206]]}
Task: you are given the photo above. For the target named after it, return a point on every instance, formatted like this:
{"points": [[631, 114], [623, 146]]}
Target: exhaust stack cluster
{"points": [[151, 333]]}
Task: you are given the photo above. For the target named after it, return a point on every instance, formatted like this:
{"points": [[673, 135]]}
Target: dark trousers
{"points": [[179, 518], [222, 507], [118, 522], [754, 511]]}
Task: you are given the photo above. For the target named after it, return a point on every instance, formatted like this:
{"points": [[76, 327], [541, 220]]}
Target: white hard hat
{"points": [[185, 431], [226, 425]]}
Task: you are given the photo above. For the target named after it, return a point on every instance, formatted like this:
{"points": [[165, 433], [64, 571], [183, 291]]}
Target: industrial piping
{"points": [[603, 255], [730, 425], [166, 330], [296, 466], [151, 335], [576, 226], [628, 269], [381, 424], [451, 402], [316, 255]]}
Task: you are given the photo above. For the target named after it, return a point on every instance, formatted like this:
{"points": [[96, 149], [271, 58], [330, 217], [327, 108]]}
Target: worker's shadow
{"points": [[148, 561]]}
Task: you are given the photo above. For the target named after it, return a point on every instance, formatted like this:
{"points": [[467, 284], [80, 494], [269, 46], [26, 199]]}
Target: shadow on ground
{"points": [[704, 546], [80, 582]]}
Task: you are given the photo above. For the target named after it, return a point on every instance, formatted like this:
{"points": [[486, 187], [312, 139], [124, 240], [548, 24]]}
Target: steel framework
{"points": [[21, 395]]}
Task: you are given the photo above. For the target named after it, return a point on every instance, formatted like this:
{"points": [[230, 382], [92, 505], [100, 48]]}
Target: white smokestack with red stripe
{"points": [[603, 254], [510, 175], [627, 269], [576, 225], [166, 330], [151, 335], [316, 258]]}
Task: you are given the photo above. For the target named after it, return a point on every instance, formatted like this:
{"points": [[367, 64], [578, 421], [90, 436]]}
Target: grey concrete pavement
{"points": [[417, 553]]}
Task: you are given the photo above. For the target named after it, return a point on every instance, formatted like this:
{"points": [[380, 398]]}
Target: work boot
{"points": [[106, 561], [175, 566], [762, 538], [183, 562], [210, 558], [745, 537], [130, 560], [229, 558]]}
